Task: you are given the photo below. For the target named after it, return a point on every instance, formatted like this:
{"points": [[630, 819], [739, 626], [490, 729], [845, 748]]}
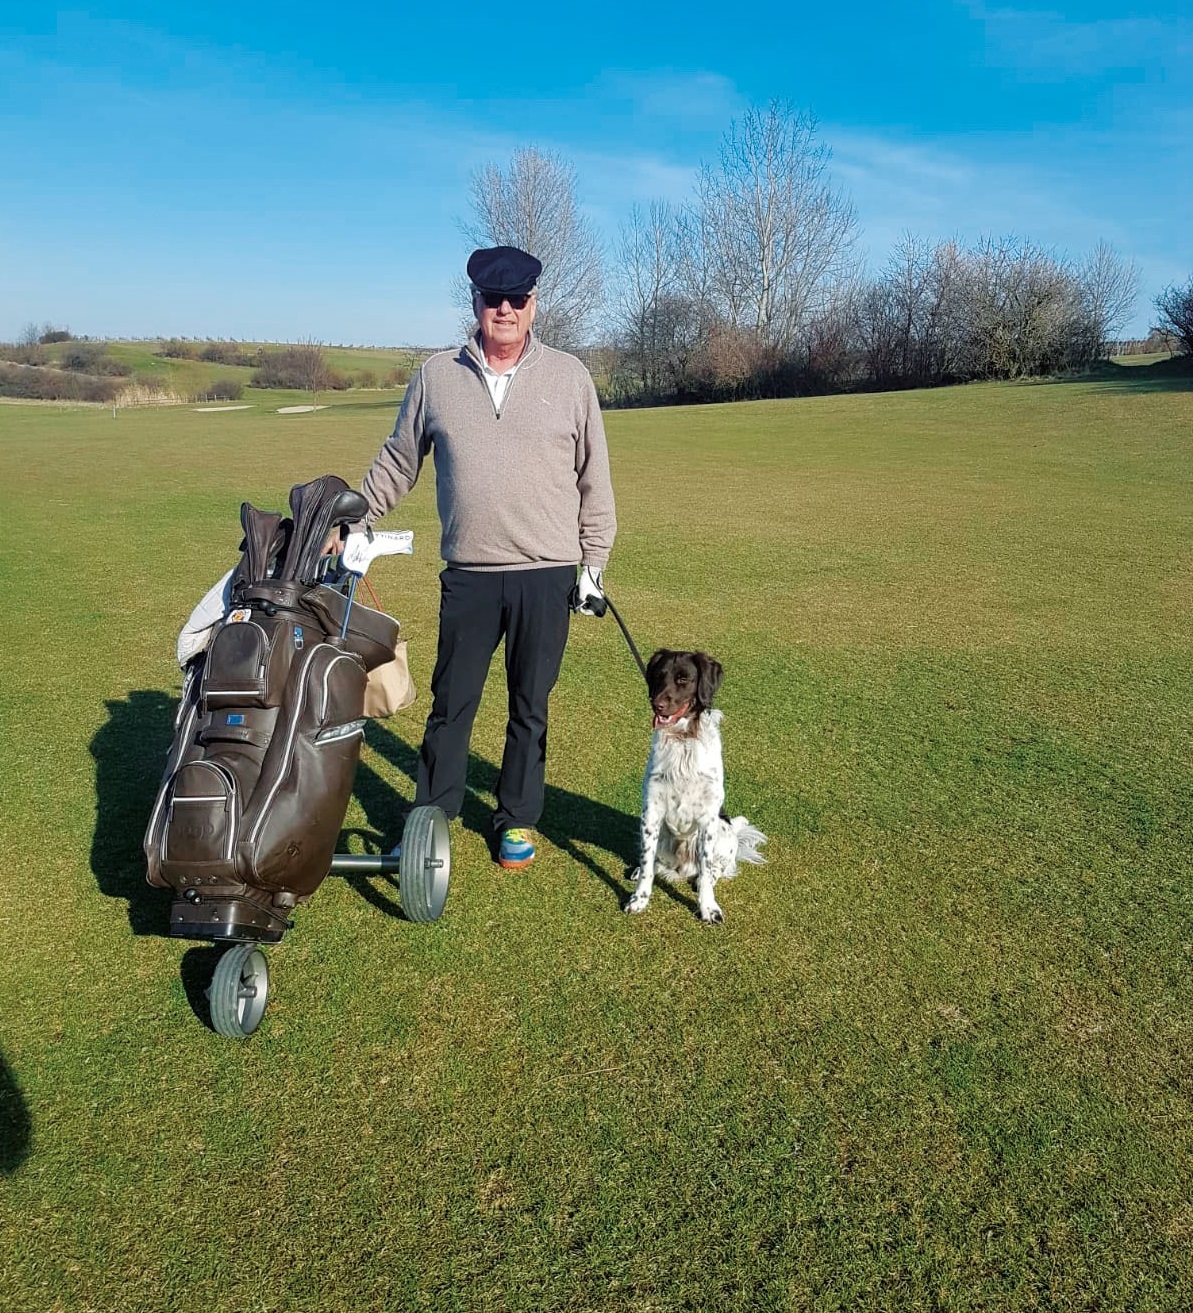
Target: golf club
{"points": [[361, 549]]}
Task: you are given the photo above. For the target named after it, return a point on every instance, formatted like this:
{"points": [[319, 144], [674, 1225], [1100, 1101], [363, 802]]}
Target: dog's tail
{"points": [[749, 839]]}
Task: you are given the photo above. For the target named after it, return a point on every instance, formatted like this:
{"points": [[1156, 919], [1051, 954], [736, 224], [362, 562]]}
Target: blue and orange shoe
{"points": [[516, 849]]}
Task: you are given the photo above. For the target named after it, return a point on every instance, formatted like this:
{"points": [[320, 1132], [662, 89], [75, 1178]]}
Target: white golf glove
{"points": [[589, 595]]}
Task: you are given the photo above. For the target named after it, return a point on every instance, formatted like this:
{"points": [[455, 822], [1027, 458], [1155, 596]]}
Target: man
{"points": [[524, 497]]}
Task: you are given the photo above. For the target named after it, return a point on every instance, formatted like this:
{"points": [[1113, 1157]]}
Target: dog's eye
{"points": [[683, 679]]}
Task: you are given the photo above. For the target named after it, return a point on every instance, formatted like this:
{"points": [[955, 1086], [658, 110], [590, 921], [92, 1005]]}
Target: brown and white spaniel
{"points": [[686, 833]]}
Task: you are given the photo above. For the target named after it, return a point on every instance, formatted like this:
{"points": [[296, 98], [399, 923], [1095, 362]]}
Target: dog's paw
{"points": [[712, 915], [636, 904]]}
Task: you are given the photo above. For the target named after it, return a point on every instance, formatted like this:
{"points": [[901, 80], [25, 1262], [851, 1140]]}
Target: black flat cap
{"points": [[503, 269]]}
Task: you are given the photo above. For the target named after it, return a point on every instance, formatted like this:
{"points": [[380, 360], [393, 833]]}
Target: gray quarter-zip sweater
{"points": [[523, 488]]}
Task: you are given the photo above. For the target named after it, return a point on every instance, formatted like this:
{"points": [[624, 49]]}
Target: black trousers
{"points": [[476, 609]]}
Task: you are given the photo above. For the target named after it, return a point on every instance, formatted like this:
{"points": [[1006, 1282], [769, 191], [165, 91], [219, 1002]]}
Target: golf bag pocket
{"points": [[198, 837], [290, 830], [248, 726], [246, 664]]}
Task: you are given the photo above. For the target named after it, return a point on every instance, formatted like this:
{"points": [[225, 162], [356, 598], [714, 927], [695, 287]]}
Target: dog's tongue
{"points": [[661, 722]]}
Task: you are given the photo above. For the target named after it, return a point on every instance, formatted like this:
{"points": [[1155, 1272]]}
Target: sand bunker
{"points": [[298, 410], [211, 410]]}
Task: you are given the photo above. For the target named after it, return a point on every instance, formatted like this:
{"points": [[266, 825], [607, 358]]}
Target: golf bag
{"points": [[268, 731]]}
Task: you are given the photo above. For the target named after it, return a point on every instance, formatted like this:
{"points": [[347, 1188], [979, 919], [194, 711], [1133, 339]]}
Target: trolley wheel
{"points": [[239, 991], [425, 864]]}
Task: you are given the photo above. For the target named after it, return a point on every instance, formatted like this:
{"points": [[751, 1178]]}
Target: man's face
{"points": [[503, 325]]}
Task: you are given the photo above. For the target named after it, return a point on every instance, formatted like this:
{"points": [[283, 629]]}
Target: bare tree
{"points": [[301, 367], [532, 205], [311, 367], [912, 320], [1015, 311], [897, 316], [1109, 288], [1004, 308], [774, 233], [1175, 308], [655, 321]]}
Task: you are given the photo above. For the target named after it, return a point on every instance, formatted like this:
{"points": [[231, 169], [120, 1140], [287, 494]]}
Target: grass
{"points": [[1156, 373], [1144, 358], [938, 1057]]}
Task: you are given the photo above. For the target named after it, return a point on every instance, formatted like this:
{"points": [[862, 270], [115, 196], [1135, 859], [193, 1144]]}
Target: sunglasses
{"points": [[517, 300]]}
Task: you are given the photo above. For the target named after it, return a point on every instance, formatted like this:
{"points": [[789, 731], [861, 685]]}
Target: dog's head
{"points": [[681, 684]]}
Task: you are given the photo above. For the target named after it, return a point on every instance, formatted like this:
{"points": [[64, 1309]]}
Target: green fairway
{"points": [[937, 1058]]}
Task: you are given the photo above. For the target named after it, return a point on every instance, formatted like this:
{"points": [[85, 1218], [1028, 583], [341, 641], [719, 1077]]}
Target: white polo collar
{"points": [[499, 384]]}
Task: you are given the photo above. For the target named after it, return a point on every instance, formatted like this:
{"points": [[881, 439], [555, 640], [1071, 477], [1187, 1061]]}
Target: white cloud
{"points": [[937, 192], [1044, 44], [689, 99]]}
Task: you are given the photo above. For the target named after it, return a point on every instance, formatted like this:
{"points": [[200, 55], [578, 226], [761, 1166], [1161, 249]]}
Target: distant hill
{"points": [[187, 369]]}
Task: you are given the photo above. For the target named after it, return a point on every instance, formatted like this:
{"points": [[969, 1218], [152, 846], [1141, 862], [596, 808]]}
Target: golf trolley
{"points": [[239, 988], [266, 743]]}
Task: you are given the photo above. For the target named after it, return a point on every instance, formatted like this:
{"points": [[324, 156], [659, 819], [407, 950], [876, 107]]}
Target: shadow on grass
{"points": [[1174, 375], [379, 890], [196, 969], [130, 751], [16, 1126], [570, 821]]}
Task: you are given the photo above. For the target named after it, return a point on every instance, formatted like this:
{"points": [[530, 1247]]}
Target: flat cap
{"points": [[503, 269]]}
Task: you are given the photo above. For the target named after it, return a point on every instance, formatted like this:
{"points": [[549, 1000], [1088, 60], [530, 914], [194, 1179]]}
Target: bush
{"points": [[54, 384], [397, 377], [50, 335], [223, 389], [91, 358], [230, 353], [175, 348], [366, 379], [22, 354], [303, 368]]}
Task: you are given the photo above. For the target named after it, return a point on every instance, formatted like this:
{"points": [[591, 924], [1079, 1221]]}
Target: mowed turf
{"points": [[937, 1058]]}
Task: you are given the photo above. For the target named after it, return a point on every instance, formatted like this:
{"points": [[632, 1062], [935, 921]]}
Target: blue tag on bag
{"points": [[235, 718], [298, 638]]}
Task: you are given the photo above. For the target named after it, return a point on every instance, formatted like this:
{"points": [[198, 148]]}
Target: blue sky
{"points": [[284, 171]]}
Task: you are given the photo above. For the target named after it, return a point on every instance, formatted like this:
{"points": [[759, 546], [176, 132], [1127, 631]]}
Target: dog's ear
{"points": [[708, 678]]}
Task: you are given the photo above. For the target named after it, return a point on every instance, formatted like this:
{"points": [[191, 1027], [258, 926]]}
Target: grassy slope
{"points": [[188, 376], [939, 1055]]}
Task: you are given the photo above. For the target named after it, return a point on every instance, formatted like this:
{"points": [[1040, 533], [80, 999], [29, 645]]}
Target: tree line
{"points": [[753, 287]]}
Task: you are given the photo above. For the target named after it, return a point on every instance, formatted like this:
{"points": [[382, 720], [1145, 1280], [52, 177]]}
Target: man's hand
{"points": [[588, 596]]}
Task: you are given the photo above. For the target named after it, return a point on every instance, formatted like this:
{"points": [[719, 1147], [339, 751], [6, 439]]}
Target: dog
{"points": [[686, 832]]}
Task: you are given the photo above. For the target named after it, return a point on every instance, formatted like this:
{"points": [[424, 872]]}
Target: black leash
{"points": [[621, 625]]}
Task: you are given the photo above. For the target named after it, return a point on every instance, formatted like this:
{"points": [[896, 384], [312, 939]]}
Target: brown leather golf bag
{"points": [[268, 731]]}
